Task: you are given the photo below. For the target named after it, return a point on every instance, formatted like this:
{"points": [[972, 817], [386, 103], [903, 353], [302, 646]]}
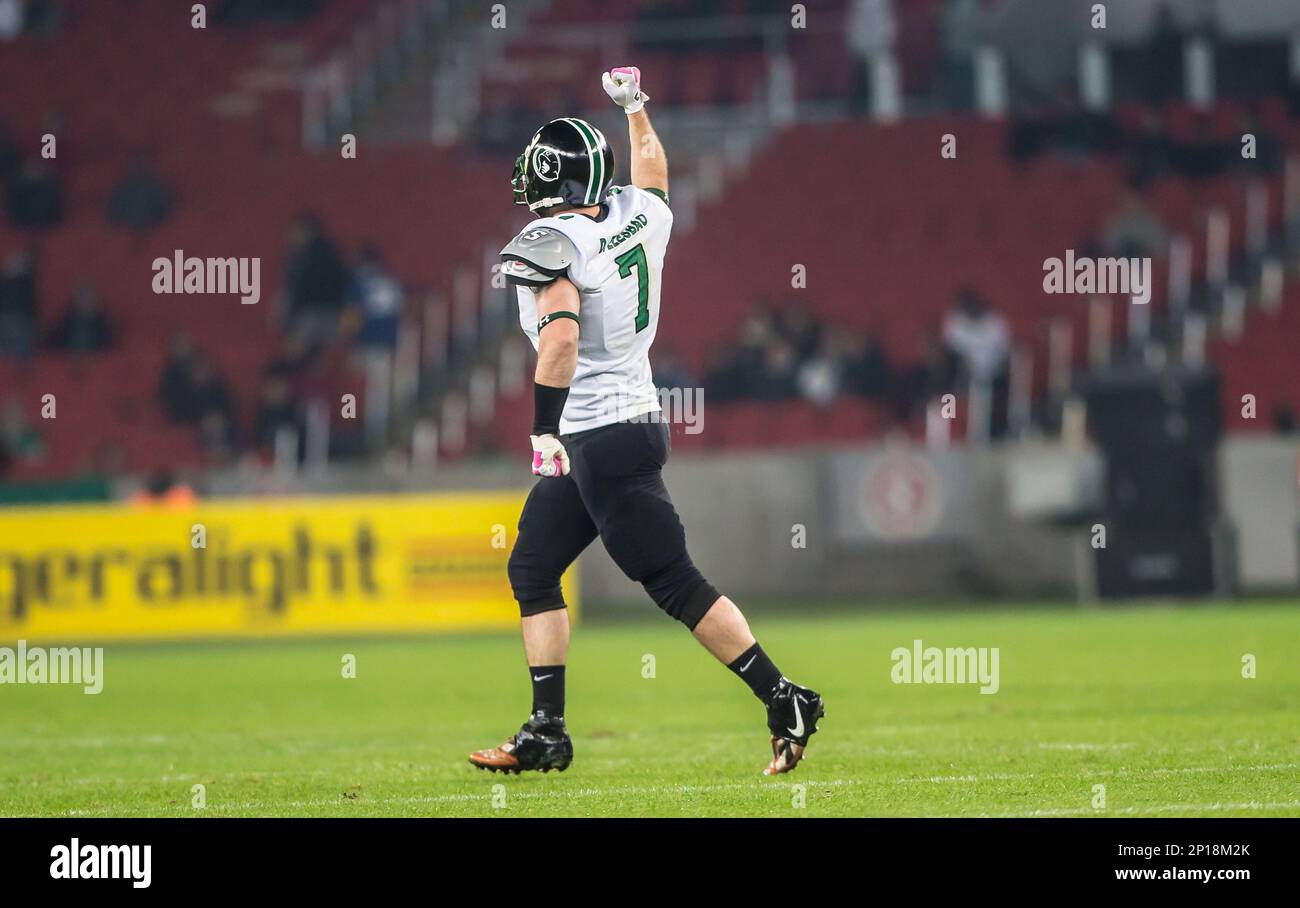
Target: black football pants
{"points": [[615, 490]]}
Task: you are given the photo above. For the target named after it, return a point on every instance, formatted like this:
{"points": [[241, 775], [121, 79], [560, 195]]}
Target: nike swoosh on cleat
{"points": [[797, 731]]}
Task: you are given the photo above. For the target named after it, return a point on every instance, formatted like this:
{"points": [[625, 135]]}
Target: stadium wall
{"points": [[376, 552], [1259, 481], [883, 523], [875, 524]]}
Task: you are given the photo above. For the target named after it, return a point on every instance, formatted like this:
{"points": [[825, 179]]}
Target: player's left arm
{"points": [[557, 333], [539, 259], [557, 360]]}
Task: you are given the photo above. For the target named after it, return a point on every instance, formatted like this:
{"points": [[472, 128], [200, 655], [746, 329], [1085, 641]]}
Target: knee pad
{"points": [[536, 589], [681, 591]]}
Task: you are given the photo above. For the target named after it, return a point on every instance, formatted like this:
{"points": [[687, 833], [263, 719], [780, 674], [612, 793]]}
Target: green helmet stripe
{"points": [[597, 142], [595, 173], [586, 143], [597, 145]]}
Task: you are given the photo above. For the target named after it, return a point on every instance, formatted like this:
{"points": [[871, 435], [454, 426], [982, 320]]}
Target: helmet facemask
{"points": [[519, 181]]}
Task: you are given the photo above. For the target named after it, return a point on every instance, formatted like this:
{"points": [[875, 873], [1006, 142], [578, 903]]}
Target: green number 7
{"points": [[635, 258]]}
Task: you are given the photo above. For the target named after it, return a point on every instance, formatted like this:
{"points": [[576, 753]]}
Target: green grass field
{"points": [[1150, 703]]}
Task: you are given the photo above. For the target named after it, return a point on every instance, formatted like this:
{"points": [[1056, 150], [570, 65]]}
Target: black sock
{"points": [[755, 669], [548, 689]]}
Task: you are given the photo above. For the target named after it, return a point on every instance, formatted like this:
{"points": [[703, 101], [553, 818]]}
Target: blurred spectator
{"points": [[1030, 134], [276, 409], [84, 327], [1133, 230], [790, 355], [1204, 156], [1284, 421], [964, 29], [106, 461], [43, 17], [208, 392], [237, 12], [1080, 132], [1064, 126], [18, 437], [10, 154], [162, 488], [292, 359], [174, 387], [668, 369], [978, 337], [378, 301], [820, 377], [720, 374], [199, 393], [871, 30], [35, 196], [1150, 153], [315, 281], [733, 375], [18, 306], [140, 200], [777, 376], [217, 437], [932, 375], [981, 341], [1162, 59], [11, 19], [650, 17], [866, 371], [797, 325]]}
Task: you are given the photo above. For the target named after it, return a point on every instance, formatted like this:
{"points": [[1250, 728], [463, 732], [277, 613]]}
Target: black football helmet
{"points": [[568, 162]]}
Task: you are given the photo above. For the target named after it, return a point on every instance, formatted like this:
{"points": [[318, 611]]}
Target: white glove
{"points": [[549, 456], [623, 85]]}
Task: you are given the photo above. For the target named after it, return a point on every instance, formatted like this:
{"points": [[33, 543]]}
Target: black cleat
{"points": [[792, 714], [541, 744]]}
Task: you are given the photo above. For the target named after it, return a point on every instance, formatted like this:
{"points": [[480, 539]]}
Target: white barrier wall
{"points": [[884, 523], [875, 524], [1259, 493]]}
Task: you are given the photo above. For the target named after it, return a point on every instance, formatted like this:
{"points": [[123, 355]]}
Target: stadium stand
{"points": [[398, 197], [924, 226]]}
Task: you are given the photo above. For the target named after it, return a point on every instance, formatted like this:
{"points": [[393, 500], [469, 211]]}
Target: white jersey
{"points": [[617, 267]]}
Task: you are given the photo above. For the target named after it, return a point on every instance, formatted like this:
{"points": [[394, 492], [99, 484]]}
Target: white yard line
{"points": [[594, 792], [756, 787], [1143, 811], [342, 775]]}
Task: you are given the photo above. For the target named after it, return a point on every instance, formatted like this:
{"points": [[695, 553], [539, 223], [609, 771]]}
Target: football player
{"points": [[587, 276]]}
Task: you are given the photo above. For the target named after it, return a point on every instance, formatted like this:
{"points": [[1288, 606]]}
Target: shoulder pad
{"points": [[537, 256]]}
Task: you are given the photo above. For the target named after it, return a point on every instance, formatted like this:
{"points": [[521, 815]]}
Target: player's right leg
{"points": [[792, 711], [554, 528], [619, 471]]}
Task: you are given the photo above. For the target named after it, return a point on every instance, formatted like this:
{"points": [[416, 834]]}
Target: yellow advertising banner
{"points": [[251, 568]]}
